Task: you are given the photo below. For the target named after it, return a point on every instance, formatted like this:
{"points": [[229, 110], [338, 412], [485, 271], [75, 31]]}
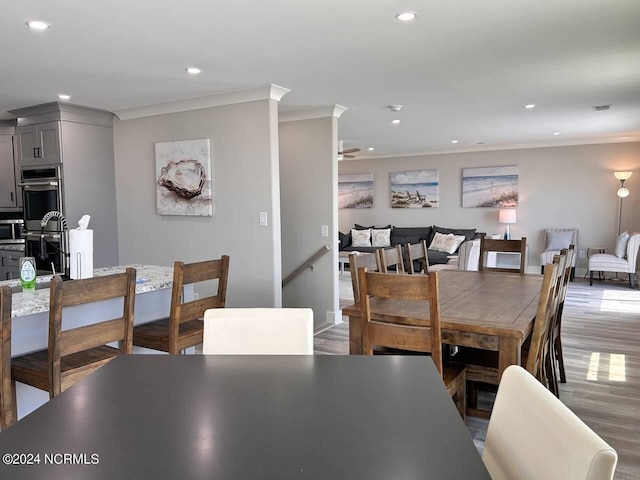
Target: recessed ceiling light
{"points": [[62, 96], [556, 133], [406, 16], [481, 143], [37, 25], [193, 70], [371, 149], [454, 141], [395, 122], [530, 106]]}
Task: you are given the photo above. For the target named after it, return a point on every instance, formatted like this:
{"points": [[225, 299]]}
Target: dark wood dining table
{"points": [[486, 310], [247, 417]]}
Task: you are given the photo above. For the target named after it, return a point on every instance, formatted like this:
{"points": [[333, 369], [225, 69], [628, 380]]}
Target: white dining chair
{"points": [[533, 435], [258, 331]]}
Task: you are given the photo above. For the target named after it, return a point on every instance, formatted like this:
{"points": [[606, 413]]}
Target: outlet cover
{"points": [[583, 254]]}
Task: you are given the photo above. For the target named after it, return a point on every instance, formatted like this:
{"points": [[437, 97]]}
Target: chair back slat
{"points": [[8, 413], [390, 257], [195, 309], [78, 339], [93, 289], [403, 287], [417, 252], [489, 245], [356, 261]]}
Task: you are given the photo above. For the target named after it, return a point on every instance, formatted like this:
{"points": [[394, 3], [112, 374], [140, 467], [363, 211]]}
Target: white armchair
{"points": [[555, 239], [468, 257], [605, 262]]}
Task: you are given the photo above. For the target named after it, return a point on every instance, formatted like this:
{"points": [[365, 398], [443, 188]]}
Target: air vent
{"points": [[601, 108]]}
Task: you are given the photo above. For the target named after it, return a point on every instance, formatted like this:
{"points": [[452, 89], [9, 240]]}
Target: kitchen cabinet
{"points": [[10, 264], [39, 144], [8, 191]]}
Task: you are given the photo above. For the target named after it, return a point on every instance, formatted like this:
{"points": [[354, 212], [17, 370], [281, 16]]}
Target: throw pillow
{"points": [[360, 238], [621, 245], [360, 227], [558, 240], [381, 237], [448, 243], [344, 240]]}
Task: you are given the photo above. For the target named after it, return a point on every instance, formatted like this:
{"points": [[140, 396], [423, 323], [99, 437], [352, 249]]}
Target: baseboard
{"points": [[334, 318]]}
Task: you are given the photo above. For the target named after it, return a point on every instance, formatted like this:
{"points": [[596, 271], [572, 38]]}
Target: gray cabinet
{"points": [[39, 144], [8, 194], [10, 264]]}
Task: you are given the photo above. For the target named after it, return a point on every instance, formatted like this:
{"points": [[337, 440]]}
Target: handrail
{"points": [[309, 263]]}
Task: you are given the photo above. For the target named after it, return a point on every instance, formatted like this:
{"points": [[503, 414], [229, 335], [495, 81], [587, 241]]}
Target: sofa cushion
{"points": [[469, 233], [413, 235], [436, 258], [381, 237], [344, 240], [360, 227], [361, 238]]}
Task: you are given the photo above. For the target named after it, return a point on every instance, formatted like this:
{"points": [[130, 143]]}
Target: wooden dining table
{"points": [[485, 310]]}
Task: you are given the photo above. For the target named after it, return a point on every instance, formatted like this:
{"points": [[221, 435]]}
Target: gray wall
{"points": [[559, 187], [308, 173], [245, 182]]}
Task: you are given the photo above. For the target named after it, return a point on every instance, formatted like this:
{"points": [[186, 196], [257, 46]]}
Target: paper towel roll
{"points": [[81, 253]]}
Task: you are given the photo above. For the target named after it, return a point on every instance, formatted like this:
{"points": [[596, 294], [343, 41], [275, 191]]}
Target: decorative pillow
{"points": [[448, 243], [361, 238], [621, 245], [469, 233], [344, 240], [360, 227], [558, 240], [381, 237]]}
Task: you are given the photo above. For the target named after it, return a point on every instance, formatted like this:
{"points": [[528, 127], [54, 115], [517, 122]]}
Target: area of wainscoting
{"points": [[601, 339]]}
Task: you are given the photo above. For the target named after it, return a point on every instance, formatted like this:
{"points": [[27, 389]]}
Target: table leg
{"points": [[509, 353]]}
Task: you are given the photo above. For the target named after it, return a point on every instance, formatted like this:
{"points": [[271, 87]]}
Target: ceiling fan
{"points": [[342, 153]]}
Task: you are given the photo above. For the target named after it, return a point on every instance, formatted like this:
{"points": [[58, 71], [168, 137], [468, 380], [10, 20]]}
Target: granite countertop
{"points": [[149, 278]]}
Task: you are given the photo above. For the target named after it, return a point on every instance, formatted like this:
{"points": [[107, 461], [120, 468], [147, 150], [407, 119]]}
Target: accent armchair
{"points": [[606, 262], [555, 239]]}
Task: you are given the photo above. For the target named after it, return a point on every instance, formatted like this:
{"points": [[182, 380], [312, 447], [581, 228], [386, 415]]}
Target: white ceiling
{"points": [[463, 70]]}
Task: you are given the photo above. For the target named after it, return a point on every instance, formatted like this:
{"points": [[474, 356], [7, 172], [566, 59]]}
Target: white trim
{"points": [[264, 92], [334, 318], [312, 113]]}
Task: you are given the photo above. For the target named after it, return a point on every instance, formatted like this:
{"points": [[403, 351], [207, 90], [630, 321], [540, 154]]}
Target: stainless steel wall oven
{"points": [[41, 193]]}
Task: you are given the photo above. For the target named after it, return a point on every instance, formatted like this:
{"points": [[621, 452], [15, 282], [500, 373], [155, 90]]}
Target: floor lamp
{"points": [[622, 192]]}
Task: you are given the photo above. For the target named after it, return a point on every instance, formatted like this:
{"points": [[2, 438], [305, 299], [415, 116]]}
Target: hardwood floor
{"points": [[601, 339]]}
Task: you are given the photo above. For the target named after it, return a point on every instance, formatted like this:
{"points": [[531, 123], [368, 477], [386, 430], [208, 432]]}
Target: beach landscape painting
{"points": [[415, 189], [355, 190], [490, 187]]}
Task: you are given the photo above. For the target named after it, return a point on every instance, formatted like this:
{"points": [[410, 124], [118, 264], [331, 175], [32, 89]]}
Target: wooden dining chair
{"points": [[8, 414], [258, 331], [74, 353], [489, 245], [184, 327], [412, 335], [416, 253], [357, 261], [533, 435], [557, 337], [390, 260]]}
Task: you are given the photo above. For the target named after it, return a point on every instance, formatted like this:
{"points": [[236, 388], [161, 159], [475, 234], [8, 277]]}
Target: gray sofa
{"points": [[404, 235]]}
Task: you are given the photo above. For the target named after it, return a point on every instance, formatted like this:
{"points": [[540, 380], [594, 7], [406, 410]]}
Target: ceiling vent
{"points": [[601, 108]]}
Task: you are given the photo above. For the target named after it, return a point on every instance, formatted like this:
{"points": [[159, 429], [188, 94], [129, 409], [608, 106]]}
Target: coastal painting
{"points": [[183, 178], [490, 187], [355, 190], [415, 189]]}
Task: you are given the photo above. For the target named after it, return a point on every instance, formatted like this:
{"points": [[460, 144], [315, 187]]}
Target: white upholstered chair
{"points": [[533, 435], [258, 331], [605, 262], [468, 257], [555, 239]]}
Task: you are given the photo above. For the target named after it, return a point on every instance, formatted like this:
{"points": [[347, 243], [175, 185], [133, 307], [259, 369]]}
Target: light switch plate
{"points": [[324, 230], [263, 219]]}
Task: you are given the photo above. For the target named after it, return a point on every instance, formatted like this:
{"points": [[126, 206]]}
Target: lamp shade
{"points": [[622, 175], [507, 215], [622, 192]]}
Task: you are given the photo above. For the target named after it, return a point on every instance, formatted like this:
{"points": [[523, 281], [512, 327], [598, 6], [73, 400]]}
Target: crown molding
{"points": [[312, 113], [264, 92]]}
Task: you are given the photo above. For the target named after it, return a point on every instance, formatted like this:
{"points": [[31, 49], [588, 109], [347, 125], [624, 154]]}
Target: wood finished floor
{"points": [[601, 338]]}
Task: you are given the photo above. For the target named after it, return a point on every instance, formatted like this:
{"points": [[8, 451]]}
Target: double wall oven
{"points": [[42, 192]]}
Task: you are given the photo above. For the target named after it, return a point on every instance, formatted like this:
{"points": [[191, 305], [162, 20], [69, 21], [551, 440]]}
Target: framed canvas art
{"points": [[415, 189], [490, 187], [183, 178], [355, 190]]}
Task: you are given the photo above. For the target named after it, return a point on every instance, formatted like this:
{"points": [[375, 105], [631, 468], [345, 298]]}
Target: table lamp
{"points": [[507, 216]]}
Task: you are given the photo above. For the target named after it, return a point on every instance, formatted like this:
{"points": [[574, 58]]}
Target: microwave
{"points": [[11, 231]]}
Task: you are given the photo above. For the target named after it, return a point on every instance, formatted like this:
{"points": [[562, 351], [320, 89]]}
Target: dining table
{"points": [[247, 417], [485, 310]]}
